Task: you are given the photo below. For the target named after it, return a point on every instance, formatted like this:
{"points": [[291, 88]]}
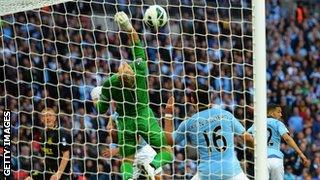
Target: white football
{"points": [[155, 17]]}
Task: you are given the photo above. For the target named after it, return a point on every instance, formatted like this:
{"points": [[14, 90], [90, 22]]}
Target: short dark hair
{"points": [[201, 95], [272, 107]]}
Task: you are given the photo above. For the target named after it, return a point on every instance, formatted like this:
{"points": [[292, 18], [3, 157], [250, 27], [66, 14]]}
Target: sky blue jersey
{"points": [[276, 129], [212, 132]]}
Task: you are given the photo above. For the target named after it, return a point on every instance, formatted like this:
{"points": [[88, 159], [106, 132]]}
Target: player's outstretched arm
{"points": [[288, 139], [168, 121], [241, 131], [247, 137], [112, 128], [110, 152], [62, 166], [123, 20], [138, 51], [112, 132]]}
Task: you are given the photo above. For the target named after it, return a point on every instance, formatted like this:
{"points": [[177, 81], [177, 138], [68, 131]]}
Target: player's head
{"points": [[48, 117], [200, 97], [274, 111], [126, 75]]}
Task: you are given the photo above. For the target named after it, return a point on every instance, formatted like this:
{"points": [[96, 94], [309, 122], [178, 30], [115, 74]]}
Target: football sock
{"points": [[162, 158], [126, 170]]}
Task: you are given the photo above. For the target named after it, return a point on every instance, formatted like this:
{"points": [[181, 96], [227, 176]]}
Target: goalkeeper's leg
{"points": [[127, 167], [127, 145], [150, 130]]}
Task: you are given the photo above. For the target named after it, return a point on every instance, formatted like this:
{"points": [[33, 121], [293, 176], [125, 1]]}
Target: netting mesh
{"points": [[54, 56], [9, 7]]}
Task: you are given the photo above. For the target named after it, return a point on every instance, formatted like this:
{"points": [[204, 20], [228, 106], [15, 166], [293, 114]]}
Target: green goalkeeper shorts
{"points": [[145, 125]]}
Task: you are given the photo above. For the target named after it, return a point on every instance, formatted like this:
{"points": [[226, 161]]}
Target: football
{"points": [[155, 17]]}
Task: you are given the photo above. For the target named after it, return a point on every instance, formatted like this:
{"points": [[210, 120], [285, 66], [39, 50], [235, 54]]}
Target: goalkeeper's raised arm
{"points": [[124, 23], [131, 75]]}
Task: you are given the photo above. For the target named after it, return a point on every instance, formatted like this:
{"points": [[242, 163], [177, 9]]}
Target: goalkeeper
{"points": [[128, 87]]}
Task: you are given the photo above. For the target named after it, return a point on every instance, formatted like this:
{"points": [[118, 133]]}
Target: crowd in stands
{"points": [[293, 76], [54, 57]]}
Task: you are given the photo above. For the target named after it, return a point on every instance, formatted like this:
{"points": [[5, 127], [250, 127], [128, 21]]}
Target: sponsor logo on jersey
{"points": [[47, 151]]}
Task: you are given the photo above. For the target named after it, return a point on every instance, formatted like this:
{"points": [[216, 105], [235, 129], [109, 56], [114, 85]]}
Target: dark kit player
{"points": [[55, 148]]}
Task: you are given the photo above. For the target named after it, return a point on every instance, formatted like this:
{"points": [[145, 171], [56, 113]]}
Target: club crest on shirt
{"points": [[138, 61], [49, 140]]}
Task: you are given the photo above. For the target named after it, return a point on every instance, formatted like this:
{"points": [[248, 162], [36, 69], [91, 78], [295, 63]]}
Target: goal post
{"points": [[53, 57], [260, 89]]}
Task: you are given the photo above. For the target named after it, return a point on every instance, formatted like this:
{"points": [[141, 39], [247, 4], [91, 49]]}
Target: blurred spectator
{"points": [[295, 122], [288, 175], [300, 13], [316, 126]]}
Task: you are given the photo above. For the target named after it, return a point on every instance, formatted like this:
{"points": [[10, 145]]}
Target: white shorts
{"points": [[144, 155], [275, 168], [240, 176]]}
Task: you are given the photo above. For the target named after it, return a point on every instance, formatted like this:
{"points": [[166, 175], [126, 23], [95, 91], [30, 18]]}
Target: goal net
{"points": [[54, 56]]}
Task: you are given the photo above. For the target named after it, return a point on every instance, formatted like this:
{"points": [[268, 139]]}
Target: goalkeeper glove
{"points": [[95, 93], [122, 19]]}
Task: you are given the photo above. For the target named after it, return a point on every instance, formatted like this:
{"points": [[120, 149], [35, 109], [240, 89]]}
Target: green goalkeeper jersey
{"points": [[129, 100]]}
